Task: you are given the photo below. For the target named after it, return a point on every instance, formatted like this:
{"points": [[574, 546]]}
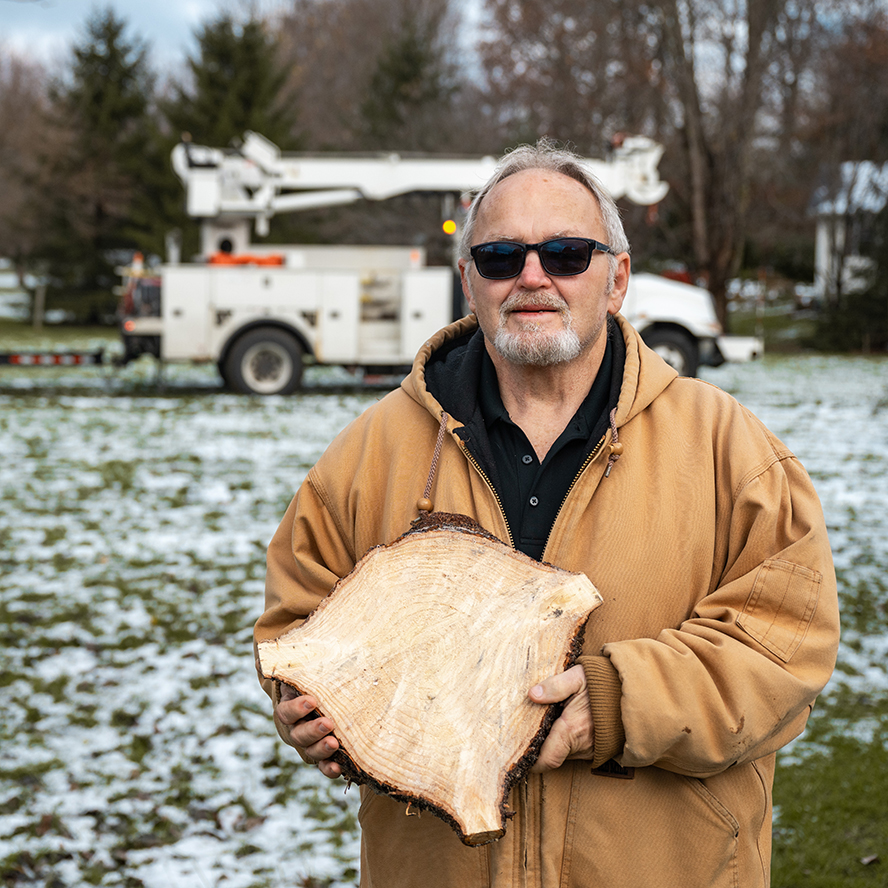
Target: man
{"points": [[565, 436]]}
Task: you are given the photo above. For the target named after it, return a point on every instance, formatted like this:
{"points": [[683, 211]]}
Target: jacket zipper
{"points": [[492, 489], [586, 461]]}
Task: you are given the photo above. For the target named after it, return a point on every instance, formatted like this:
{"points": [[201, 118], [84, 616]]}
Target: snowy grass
{"points": [[136, 744], [136, 748]]}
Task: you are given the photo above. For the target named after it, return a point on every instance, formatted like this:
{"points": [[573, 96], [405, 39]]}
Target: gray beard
{"points": [[530, 347], [533, 349]]}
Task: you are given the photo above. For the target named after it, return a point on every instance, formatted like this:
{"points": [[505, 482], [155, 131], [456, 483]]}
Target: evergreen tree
{"points": [[102, 112], [236, 85], [411, 84]]}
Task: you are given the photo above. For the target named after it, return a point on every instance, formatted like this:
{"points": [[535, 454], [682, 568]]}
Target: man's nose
{"points": [[533, 274]]}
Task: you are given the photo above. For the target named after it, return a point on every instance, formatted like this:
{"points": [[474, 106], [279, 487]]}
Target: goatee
{"points": [[530, 346]]}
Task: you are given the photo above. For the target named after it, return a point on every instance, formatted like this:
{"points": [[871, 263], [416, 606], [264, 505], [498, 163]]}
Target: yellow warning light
{"points": [[449, 226]]}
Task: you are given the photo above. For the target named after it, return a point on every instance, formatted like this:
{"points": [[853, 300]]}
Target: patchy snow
{"points": [[137, 747], [136, 741]]}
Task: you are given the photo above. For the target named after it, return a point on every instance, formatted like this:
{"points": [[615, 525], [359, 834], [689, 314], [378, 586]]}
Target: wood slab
{"points": [[423, 657]]}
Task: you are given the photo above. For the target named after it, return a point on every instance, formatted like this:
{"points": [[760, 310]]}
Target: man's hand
{"points": [[311, 734], [572, 733]]}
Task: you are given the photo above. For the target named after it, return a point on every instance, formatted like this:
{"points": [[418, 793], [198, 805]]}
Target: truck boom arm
{"points": [[257, 181]]}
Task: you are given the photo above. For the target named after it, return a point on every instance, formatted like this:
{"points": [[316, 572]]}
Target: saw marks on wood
{"points": [[423, 657]]}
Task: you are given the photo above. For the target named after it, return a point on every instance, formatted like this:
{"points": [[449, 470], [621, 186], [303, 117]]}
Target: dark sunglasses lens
{"points": [[499, 260], [566, 256]]}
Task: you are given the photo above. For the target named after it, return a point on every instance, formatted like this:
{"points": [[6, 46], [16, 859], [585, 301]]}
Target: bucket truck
{"points": [[258, 311]]}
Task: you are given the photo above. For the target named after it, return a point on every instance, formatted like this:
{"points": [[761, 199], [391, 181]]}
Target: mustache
{"points": [[527, 297]]}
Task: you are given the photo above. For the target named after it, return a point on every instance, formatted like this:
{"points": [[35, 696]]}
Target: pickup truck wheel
{"points": [[266, 361], [677, 349]]}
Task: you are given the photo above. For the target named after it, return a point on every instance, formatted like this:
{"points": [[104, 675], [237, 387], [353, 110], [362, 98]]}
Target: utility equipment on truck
{"points": [[259, 311]]}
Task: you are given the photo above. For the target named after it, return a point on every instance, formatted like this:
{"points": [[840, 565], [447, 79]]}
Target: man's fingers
{"points": [[291, 708], [311, 733], [572, 733], [330, 769], [307, 732], [555, 750], [319, 750], [559, 687]]}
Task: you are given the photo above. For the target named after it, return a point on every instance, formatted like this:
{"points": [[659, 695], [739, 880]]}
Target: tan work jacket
{"points": [[718, 630]]}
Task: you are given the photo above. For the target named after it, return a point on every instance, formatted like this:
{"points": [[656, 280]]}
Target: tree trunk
{"points": [[38, 306], [719, 154]]}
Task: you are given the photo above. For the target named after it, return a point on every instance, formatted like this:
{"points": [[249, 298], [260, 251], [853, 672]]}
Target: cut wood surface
{"points": [[423, 657]]}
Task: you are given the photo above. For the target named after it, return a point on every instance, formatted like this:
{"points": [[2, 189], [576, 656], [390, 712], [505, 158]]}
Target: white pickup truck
{"points": [[678, 321]]}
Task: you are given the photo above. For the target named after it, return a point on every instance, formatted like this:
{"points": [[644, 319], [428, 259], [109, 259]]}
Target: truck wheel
{"points": [[266, 361], [677, 349]]}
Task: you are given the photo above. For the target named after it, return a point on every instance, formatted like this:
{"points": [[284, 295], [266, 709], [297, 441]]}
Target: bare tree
{"points": [[30, 143], [570, 69], [851, 139], [380, 75], [716, 54], [723, 83]]}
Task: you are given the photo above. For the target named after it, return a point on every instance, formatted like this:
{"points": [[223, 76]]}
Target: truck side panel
{"points": [[426, 307], [186, 314], [340, 297]]}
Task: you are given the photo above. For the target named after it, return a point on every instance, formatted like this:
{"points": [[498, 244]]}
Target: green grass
{"points": [[832, 828], [15, 335], [133, 555], [782, 328], [127, 596]]}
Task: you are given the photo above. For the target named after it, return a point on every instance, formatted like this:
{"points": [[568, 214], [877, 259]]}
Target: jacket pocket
{"points": [[780, 606], [659, 829]]}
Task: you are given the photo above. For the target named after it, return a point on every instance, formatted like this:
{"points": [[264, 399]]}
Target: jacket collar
{"points": [[458, 348]]}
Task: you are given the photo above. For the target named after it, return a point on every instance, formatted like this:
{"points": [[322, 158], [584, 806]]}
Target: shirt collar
{"points": [[489, 399], [583, 421]]}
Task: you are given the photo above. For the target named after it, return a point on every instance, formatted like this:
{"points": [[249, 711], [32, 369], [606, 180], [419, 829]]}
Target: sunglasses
{"points": [[562, 256]]}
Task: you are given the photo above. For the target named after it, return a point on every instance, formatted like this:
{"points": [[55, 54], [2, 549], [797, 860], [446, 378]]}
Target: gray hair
{"points": [[546, 155]]}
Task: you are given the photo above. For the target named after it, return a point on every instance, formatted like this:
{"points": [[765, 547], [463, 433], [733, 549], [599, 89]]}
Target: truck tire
{"points": [[264, 361], [677, 349]]}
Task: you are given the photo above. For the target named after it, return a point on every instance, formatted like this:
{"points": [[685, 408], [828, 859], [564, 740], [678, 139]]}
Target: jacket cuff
{"points": [[605, 690]]}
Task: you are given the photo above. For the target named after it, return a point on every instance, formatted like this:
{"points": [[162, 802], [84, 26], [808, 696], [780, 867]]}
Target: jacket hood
{"points": [[645, 373]]}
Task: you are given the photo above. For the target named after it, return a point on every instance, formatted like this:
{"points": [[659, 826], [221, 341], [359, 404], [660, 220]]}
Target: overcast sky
{"points": [[46, 29]]}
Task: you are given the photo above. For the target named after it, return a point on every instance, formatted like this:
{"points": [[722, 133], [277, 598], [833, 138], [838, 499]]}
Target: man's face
{"points": [[537, 318]]}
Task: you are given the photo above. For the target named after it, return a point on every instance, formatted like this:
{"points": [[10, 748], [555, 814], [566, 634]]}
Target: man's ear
{"points": [[466, 285], [621, 284]]}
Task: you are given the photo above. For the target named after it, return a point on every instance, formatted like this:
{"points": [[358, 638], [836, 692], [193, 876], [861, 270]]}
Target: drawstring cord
{"points": [[425, 504], [616, 448]]}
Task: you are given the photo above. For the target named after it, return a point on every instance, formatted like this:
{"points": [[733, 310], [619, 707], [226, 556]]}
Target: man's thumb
{"points": [[559, 687]]}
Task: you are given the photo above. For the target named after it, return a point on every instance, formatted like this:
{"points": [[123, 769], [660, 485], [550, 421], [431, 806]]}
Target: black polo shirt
{"points": [[532, 491]]}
